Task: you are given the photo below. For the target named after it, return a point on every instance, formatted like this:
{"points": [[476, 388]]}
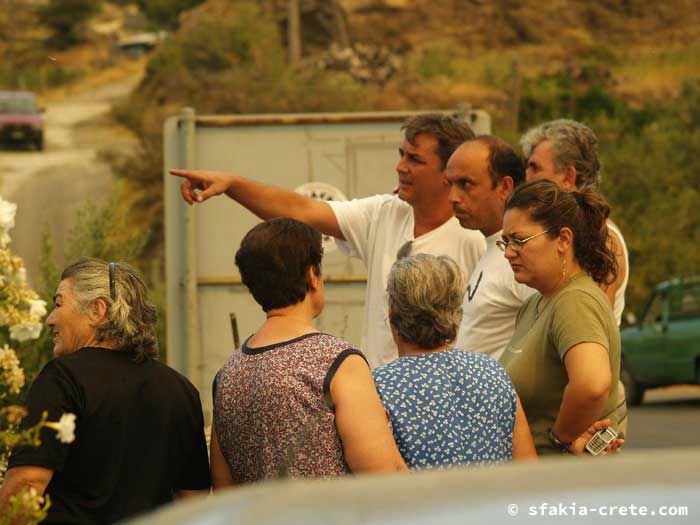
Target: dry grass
{"points": [[93, 76], [656, 72]]}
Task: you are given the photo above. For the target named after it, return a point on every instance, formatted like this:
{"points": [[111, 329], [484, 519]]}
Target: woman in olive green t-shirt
{"points": [[565, 351]]}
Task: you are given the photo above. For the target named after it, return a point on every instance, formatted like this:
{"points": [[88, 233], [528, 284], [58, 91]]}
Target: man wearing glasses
{"points": [[482, 174], [378, 229]]}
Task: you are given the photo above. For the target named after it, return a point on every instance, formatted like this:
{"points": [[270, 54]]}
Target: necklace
{"points": [[542, 303]]}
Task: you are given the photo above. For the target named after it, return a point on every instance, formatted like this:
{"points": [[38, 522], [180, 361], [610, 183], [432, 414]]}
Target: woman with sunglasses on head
{"points": [[565, 351], [139, 430]]}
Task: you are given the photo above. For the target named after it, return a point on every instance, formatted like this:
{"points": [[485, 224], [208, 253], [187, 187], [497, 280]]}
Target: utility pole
{"points": [[340, 22], [294, 31], [515, 94], [8, 35]]}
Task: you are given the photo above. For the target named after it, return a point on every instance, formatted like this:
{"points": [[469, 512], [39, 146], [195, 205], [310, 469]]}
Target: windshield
{"points": [[17, 105]]}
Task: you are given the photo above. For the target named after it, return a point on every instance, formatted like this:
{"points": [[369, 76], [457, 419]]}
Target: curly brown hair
{"points": [[584, 211]]}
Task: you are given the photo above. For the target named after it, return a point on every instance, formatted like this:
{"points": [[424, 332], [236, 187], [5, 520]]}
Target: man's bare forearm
{"points": [[265, 201], [269, 202]]}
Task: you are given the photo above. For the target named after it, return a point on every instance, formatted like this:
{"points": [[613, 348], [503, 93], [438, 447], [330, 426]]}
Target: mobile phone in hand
{"points": [[601, 440]]}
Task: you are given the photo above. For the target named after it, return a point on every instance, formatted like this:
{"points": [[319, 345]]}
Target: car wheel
{"points": [[39, 143], [633, 390]]}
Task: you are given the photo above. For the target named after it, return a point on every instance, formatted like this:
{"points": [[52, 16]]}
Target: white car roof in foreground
{"points": [[651, 478]]}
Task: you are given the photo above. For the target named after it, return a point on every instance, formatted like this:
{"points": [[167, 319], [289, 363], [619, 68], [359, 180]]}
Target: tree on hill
{"points": [[19, 40], [165, 13], [66, 18]]}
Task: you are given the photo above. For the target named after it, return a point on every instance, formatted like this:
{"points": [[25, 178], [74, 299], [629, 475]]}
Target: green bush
{"points": [[436, 61], [652, 178], [165, 13], [100, 231], [232, 65], [651, 170], [65, 19], [238, 65], [37, 78]]}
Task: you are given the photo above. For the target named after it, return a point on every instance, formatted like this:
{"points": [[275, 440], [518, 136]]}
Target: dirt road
{"points": [[50, 186]]}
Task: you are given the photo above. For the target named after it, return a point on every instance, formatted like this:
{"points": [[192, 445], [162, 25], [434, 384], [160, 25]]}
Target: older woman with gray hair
{"points": [[447, 407], [139, 439]]}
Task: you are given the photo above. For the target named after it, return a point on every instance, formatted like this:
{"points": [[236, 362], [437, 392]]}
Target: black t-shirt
{"points": [[139, 436]]}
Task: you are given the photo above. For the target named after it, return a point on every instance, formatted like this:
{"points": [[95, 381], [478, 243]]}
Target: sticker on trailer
{"points": [[323, 192]]}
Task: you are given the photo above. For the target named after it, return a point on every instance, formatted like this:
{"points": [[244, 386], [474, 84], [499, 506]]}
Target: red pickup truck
{"points": [[21, 120]]}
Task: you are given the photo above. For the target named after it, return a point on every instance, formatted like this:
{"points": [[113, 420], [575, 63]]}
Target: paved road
{"points": [[50, 186], [668, 418]]}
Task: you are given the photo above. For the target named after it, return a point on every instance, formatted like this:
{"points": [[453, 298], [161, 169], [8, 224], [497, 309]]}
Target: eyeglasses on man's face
{"points": [[516, 244]]}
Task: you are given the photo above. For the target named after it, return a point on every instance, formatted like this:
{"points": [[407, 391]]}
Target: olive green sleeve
{"points": [[578, 317]]}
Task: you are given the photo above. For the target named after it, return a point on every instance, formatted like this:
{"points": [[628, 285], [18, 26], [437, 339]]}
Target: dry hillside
{"points": [[468, 47]]}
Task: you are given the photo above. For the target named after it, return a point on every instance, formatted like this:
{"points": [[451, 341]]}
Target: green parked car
{"points": [[664, 347]]}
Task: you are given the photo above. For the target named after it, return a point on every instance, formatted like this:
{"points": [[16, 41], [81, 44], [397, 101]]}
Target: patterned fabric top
{"points": [[272, 411], [449, 408]]}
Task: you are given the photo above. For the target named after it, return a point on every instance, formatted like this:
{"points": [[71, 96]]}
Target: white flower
{"points": [[7, 215], [37, 308], [4, 239], [65, 428], [25, 331], [21, 275]]}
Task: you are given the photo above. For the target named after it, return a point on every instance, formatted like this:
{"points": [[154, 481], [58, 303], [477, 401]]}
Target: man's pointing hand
{"points": [[199, 185]]}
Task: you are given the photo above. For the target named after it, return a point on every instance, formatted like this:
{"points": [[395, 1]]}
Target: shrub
{"points": [[101, 232], [21, 315], [165, 13], [235, 64], [436, 61], [651, 171], [66, 18]]}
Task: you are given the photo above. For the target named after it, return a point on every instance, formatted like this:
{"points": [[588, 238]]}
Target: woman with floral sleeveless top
{"points": [[447, 407], [293, 401]]}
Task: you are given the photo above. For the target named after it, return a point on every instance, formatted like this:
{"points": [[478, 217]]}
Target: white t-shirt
{"points": [[491, 303], [619, 305], [375, 228]]}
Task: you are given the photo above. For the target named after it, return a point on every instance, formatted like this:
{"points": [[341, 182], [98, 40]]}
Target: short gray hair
{"points": [[573, 144], [425, 299], [131, 315]]}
